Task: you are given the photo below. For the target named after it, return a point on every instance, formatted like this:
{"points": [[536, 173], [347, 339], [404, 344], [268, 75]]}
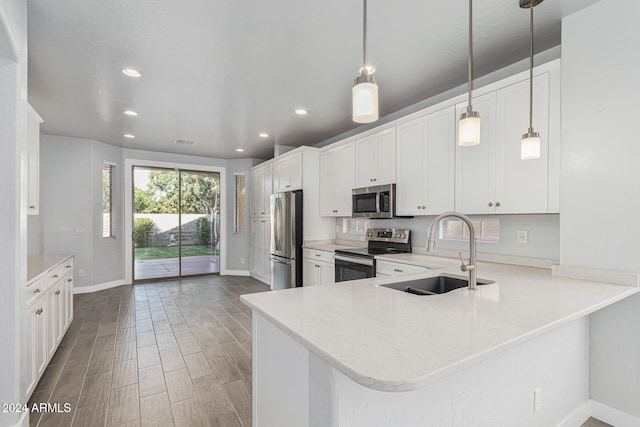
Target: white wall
{"points": [[600, 181], [13, 209]]}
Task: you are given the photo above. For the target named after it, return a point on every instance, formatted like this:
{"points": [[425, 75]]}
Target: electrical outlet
{"points": [[242, 261], [523, 237], [537, 400], [80, 273]]}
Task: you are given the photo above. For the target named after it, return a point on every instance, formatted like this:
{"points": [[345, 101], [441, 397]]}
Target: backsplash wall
{"points": [[544, 235]]}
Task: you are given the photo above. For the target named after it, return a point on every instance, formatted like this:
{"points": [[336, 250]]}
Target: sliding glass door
{"points": [[176, 230]]}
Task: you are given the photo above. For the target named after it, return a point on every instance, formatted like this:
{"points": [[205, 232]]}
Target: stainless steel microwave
{"points": [[374, 202]]}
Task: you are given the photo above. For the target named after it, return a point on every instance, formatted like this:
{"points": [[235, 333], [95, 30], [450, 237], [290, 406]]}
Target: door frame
{"points": [[128, 207]]}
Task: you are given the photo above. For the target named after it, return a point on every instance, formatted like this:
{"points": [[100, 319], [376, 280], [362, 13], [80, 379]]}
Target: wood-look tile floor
{"points": [[162, 354]]}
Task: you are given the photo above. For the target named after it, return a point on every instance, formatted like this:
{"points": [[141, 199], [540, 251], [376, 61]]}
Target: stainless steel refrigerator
{"points": [[286, 240]]}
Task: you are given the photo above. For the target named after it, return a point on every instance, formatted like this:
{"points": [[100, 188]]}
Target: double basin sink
{"points": [[432, 285]]}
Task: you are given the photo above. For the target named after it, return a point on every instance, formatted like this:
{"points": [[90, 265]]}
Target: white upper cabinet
{"points": [[287, 173], [490, 177], [376, 159], [260, 186], [425, 164], [337, 179], [33, 143]]}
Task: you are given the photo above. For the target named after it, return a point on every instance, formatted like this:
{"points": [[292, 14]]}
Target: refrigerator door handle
{"points": [[368, 262]]}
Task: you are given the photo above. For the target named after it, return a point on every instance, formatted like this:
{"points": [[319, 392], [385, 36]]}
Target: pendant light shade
{"points": [[365, 99], [469, 126], [365, 90], [530, 143]]}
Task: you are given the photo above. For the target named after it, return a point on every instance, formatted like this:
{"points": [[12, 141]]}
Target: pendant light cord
{"points": [[364, 36], [470, 61], [531, 69]]}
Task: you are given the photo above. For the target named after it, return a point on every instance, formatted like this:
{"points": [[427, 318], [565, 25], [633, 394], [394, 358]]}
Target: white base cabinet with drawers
{"points": [[318, 267], [49, 312], [259, 248], [390, 269]]}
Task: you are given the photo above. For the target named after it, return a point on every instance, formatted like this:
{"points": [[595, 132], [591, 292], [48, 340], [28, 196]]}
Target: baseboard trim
{"points": [[578, 416], [236, 273], [99, 287], [613, 416]]}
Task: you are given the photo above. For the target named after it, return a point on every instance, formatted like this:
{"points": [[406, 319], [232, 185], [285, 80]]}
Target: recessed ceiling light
{"points": [[128, 135], [263, 135], [301, 112], [239, 150], [131, 72], [130, 113]]}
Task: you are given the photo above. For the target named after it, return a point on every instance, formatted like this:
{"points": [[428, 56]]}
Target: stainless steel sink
{"points": [[432, 285]]}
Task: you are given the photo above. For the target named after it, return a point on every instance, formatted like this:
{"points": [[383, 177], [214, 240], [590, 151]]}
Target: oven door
{"points": [[351, 268]]}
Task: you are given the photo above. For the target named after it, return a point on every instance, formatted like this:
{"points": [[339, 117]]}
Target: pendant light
{"points": [[365, 90], [469, 126], [530, 144]]}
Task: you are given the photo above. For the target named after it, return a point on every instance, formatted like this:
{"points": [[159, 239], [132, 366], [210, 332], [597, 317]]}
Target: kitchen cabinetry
{"points": [[287, 173], [425, 164], [260, 242], [389, 269], [260, 181], [490, 177], [49, 312], [337, 179], [376, 159], [318, 268], [33, 143]]}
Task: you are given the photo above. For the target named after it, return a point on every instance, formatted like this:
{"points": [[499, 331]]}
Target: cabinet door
{"points": [[438, 175], [327, 273], [61, 315], [310, 273], [522, 185], [346, 159], [33, 141], [295, 172], [386, 157], [51, 314], [366, 162], [68, 302], [475, 165], [281, 174], [30, 356], [256, 187], [38, 313], [410, 196], [328, 182], [266, 253], [267, 181]]}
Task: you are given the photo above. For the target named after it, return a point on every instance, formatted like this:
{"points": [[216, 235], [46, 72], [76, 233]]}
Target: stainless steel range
{"points": [[360, 263]]}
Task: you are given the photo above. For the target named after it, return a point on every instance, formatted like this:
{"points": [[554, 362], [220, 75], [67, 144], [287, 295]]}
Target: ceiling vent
{"points": [[183, 142]]}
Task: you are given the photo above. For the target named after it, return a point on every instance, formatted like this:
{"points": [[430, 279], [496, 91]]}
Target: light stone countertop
{"points": [[38, 264], [330, 247], [392, 341]]}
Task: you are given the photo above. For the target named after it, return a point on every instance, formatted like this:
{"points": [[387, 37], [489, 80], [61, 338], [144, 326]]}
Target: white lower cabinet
{"points": [[318, 268], [390, 269], [260, 249], [49, 314]]}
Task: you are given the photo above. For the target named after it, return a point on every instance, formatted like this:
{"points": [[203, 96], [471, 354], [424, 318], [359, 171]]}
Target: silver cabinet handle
{"points": [[335, 211], [419, 207], [39, 311], [57, 293], [32, 206], [498, 204], [375, 179], [490, 204], [287, 186], [424, 207], [37, 291], [318, 255], [69, 280], [55, 276], [398, 270], [67, 266]]}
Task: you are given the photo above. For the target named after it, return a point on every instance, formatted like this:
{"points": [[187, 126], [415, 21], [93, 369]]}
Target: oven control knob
{"points": [[402, 236]]}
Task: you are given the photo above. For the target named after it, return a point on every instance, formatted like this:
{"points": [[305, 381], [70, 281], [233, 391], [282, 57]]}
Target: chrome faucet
{"points": [[471, 267]]}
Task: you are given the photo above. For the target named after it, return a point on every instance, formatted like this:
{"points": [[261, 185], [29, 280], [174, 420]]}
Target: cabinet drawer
{"points": [[52, 276], [35, 290], [386, 268], [318, 255]]}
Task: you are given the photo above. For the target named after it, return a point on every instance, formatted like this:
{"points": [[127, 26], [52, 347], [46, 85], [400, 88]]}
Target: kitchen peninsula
{"points": [[357, 353]]}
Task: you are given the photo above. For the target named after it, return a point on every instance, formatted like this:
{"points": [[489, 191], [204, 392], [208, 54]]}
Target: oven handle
{"points": [[368, 262]]}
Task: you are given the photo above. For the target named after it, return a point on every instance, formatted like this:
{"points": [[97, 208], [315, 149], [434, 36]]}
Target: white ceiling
{"points": [[219, 72]]}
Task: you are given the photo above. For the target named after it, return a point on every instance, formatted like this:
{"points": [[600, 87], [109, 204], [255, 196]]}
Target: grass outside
{"points": [[164, 252]]}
